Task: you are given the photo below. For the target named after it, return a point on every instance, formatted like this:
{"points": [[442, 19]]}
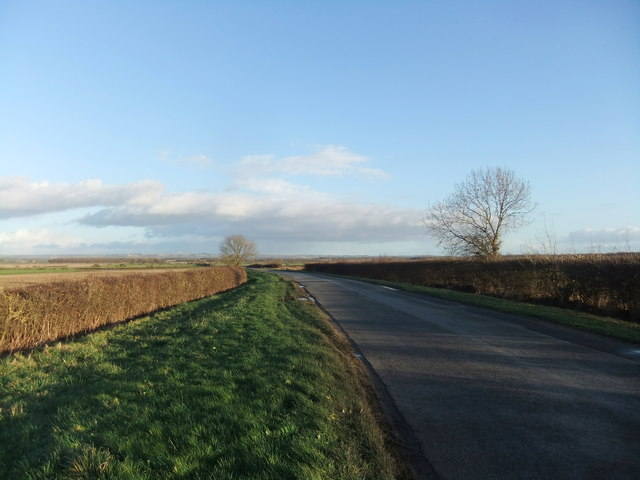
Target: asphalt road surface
{"points": [[486, 395]]}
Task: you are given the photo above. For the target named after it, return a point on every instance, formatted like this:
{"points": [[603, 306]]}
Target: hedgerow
{"points": [[605, 284], [37, 314]]}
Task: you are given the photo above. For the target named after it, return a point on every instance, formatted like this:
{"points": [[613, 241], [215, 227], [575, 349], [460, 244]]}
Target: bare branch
{"points": [[482, 208], [237, 250]]}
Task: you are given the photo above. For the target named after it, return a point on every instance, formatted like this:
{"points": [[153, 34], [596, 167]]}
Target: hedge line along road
{"points": [[484, 395]]}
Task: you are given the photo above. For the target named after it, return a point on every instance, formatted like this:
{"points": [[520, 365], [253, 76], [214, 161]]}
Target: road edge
{"points": [[404, 441]]}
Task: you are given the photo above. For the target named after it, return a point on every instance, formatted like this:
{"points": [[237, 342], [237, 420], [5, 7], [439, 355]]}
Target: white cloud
{"points": [[260, 203], [198, 161], [605, 235], [276, 186], [329, 161], [302, 216], [277, 209], [22, 240], [20, 197]]}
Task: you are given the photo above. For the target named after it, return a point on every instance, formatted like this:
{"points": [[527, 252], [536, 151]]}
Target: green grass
{"points": [[250, 384], [613, 327]]}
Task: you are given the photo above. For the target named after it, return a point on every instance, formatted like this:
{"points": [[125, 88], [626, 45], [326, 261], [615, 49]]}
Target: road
{"points": [[486, 395]]}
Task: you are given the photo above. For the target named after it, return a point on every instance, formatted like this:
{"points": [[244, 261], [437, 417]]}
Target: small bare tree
{"points": [[546, 243], [237, 250], [482, 208]]}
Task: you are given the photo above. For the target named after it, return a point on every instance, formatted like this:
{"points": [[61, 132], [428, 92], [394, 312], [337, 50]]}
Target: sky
{"points": [[312, 128]]}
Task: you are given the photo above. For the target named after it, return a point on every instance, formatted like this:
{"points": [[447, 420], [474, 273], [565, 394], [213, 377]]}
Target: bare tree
{"points": [[473, 219], [237, 250]]}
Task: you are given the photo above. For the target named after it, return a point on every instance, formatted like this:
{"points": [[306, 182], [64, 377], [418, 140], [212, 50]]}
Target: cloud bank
{"points": [[606, 236], [270, 211], [260, 201], [20, 197], [37, 239]]}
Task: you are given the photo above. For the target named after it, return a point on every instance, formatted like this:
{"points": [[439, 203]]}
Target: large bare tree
{"points": [[473, 219], [237, 250]]}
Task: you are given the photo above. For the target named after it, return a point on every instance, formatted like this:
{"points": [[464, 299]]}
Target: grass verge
{"points": [[253, 383], [612, 327]]}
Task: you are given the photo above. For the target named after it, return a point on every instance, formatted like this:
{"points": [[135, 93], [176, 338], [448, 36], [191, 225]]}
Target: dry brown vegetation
{"points": [[605, 284], [42, 312]]}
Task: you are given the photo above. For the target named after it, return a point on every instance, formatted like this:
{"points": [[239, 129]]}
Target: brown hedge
{"points": [[37, 314], [605, 284]]}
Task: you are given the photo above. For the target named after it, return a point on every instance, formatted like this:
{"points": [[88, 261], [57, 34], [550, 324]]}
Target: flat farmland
{"points": [[12, 279], [16, 275]]}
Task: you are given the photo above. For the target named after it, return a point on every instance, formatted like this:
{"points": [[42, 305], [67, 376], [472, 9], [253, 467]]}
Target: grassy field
{"points": [[253, 383], [613, 327]]}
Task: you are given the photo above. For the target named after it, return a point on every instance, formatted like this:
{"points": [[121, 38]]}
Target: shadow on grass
{"points": [[231, 386]]}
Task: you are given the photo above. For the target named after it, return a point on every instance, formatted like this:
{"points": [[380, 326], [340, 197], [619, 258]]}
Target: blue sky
{"points": [[312, 127]]}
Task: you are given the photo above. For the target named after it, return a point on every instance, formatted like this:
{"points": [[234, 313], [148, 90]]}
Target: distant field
{"points": [[13, 275], [34, 278], [19, 269]]}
